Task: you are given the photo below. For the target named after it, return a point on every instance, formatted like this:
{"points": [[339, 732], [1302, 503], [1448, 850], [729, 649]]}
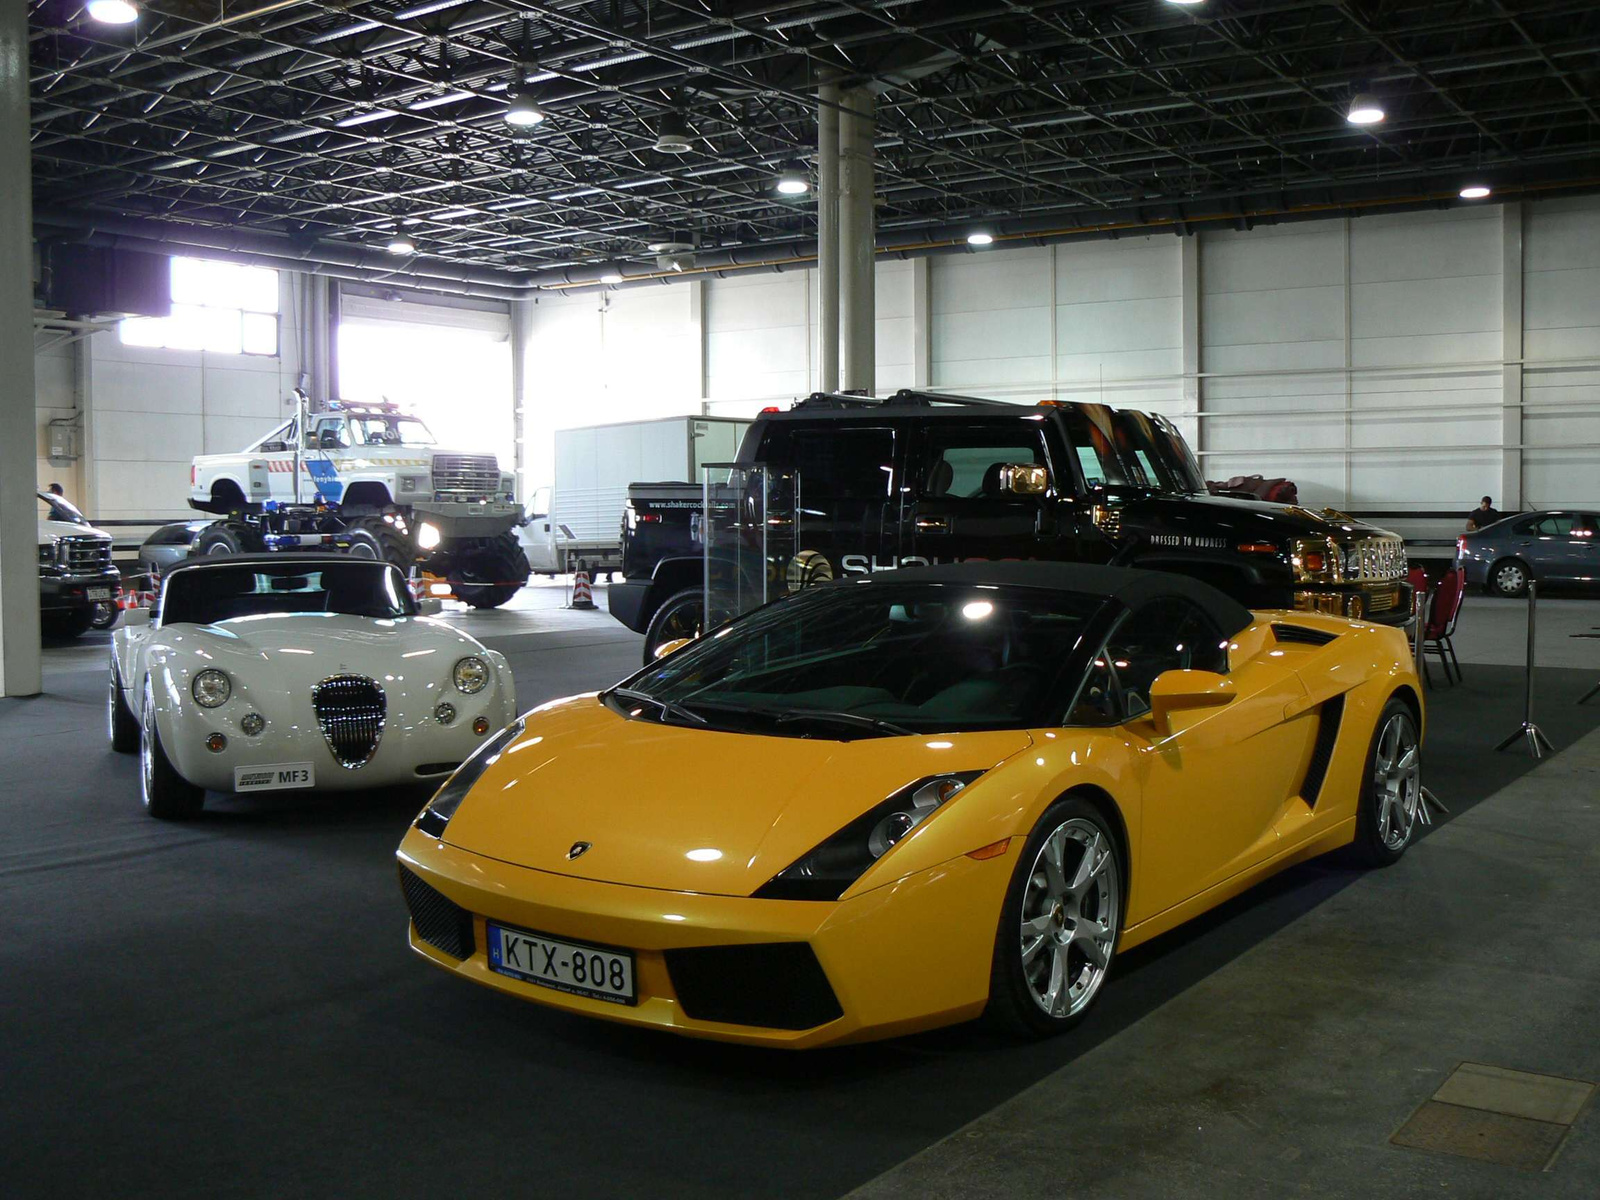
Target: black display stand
{"points": [[1422, 608], [1595, 690], [1529, 733]]}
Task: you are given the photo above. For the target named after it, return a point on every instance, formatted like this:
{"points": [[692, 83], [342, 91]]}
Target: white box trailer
{"points": [[578, 518]]}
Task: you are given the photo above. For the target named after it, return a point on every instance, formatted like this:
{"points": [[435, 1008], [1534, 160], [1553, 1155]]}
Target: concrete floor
{"points": [[227, 1008]]}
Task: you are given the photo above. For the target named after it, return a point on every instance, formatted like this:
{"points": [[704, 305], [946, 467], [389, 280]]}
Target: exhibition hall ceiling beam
{"points": [[340, 122]]}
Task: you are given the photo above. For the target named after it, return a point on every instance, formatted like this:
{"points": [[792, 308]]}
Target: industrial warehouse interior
{"points": [[800, 598]]}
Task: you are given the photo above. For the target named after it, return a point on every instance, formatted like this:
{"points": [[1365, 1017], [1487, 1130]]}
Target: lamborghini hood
{"points": [[687, 809]]}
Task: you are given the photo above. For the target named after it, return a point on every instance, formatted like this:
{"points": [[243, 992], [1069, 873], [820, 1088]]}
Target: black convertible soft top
{"points": [[1125, 584]]}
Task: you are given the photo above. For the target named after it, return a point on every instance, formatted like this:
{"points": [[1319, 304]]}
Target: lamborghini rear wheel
{"points": [[1060, 922], [1391, 788]]}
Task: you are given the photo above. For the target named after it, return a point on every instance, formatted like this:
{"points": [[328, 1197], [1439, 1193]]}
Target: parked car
{"points": [[937, 792], [1550, 547], [273, 672], [169, 546], [77, 581], [924, 478]]}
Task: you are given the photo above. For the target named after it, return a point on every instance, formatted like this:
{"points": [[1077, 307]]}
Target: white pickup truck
{"points": [[369, 481], [76, 578]]}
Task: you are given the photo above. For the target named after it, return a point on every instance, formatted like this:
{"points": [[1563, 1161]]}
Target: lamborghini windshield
{"points": [[878, 659], [207, 594]]}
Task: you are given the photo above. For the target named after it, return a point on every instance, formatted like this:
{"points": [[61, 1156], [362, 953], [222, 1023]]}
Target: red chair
{"points": [[1438, 637]]}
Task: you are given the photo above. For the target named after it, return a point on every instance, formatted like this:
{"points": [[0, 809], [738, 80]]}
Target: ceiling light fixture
{"points": [[1365, 109], [114, 12], [611, 273], [1185, 2], [980, 237], [673, 135], [523, 111], [793, 180], [401, 244], [1475, 191]]}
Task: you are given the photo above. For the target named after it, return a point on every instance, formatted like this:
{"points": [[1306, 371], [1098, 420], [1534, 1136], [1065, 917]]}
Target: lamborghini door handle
{"points": [[933, 524]]}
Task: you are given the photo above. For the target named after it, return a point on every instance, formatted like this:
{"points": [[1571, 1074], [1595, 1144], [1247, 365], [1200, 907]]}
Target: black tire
{"points": [[221, 540], [490, 574], [167, 795], [1509, 577], [1380, 841], [105, 616], [65, 623], [681, 616], [121, 728], [376, 539], [1015, 1005]]}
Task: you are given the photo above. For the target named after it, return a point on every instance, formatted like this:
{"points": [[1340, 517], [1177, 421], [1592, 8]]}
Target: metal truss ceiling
{"points": [[334, 123]]}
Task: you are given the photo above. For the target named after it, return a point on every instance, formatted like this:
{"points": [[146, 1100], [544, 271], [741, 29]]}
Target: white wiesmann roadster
{"points": [[268, 672]]}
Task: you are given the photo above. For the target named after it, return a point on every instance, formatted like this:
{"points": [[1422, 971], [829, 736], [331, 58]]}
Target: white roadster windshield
{"points": [[878, 658], [205, 595]]}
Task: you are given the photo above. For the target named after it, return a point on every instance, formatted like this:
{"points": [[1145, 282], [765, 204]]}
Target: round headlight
{"points": [[471, 675], [211, 687]]}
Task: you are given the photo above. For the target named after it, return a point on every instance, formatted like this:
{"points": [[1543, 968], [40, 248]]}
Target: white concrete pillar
{"points": [[19, 547], [857, 241], [1189, 340], [521, 312], [921, 322], [1511, 496], [828, 238]]}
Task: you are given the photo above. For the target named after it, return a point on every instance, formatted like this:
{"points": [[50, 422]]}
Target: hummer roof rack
{"points": [[904, 398]]}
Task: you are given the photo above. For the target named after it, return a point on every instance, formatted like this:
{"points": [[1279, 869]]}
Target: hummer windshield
{"points": [[1155, 455]]}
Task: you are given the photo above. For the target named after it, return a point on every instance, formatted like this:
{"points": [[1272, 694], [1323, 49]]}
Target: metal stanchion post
{"points": [[1422, 608], [1529, 732]]}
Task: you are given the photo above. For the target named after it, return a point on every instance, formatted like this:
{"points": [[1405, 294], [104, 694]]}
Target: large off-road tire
{"points": [[1509, 577], [66, 622], [1059, 924], [105, 616], [166, 794], [375, 539], [1390, 807], [489, 574], [121, 728], [681, 616], [222, 539]]}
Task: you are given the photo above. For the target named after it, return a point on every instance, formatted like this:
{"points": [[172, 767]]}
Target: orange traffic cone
{"points": [[582, 597]]}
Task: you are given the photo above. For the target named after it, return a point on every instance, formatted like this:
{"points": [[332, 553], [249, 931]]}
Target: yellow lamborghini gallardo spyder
{"points": [[909, 799]]}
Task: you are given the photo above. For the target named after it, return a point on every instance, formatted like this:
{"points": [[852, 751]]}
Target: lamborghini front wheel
{"points": [[1060, 922]]}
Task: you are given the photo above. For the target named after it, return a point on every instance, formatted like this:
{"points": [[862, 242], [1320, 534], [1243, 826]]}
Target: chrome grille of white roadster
{"points": [[1376, 559], [78, 555], [465, 476], [350, 710]]}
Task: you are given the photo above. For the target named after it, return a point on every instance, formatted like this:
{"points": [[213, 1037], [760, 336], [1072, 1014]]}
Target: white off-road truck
{"points": [[369, 481]]}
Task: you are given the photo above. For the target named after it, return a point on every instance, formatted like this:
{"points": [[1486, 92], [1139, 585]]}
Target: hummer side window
{"points": [[841, 464], [964, 462]]}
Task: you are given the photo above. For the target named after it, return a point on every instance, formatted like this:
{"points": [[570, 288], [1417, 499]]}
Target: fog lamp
{"points": [[216, 743], [444, 712], [480, 725], [252, 723], [428, 536]]}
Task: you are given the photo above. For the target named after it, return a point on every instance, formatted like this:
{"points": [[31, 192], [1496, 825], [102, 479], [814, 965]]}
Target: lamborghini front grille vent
{"points": [[350, 709], [439, 921], [1303, 636], [775, 985], [1329, 716]]}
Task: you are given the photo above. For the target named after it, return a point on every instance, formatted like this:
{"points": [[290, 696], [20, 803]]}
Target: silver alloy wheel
{"points": [[1510, 579], [1070, 915], [1397, 781], [147, 751], [218, 549]]}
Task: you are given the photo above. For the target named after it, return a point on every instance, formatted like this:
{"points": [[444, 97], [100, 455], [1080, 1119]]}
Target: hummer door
{"points": [[847, 512], [974, 496]]}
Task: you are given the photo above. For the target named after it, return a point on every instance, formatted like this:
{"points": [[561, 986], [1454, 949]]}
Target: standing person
{"points": [[57, 490], [1482, 516]]}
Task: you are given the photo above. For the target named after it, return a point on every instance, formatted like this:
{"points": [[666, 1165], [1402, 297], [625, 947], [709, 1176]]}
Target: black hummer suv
{"points": [[924, 478]]}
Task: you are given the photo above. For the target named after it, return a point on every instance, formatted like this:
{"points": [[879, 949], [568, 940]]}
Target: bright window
{"points": [[216, 306]]}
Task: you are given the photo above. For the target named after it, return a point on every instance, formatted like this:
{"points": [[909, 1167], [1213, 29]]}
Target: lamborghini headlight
{"points": [[449, 797], [827, 871], [211, 688], [470, 675]]}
